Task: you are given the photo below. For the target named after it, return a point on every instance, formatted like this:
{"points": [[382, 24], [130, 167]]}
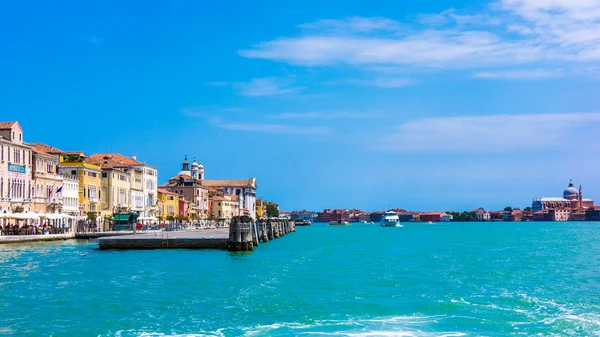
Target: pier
{"points": [[243, 234]]}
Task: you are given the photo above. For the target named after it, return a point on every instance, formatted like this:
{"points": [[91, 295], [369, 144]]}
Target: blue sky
{"points": [[425, 105]]}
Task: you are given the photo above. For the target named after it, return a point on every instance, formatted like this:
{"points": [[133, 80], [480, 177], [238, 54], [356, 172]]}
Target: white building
{"points": [[136, 193], [16, 184], [482, 215], [446, 217], [149, 190], [70, 195]]}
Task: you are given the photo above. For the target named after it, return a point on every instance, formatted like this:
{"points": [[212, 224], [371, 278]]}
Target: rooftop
{"points": [[113, 161], [43, 148], [230, 183], [6, 125]]}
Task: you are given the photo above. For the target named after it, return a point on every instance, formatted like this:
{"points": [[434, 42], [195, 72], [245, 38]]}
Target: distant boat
{"points": [[338, 223], [390, 219], [302, 222], [430, 223]]}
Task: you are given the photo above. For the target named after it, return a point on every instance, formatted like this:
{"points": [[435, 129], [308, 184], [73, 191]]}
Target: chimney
{"points": [[134, 157]]}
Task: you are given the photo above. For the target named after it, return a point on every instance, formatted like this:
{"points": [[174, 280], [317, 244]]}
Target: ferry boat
{"points": [[302, 222], [338, 223], [390, 219]]}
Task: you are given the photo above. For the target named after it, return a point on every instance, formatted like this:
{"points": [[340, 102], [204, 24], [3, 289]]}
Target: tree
{"points": [[508, 209], [272, 211], [18, 209], [528, 209]]}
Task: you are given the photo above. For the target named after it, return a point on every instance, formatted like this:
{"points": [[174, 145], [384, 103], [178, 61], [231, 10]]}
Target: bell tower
{"points": [[580, 198]]}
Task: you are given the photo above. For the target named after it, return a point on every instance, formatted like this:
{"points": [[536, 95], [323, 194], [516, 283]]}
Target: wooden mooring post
{"points": [[264, 233], [240, 234]]}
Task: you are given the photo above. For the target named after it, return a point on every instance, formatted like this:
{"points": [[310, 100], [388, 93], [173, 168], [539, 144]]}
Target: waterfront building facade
{"points": [[15, 169], [70, 195], [168, 203], [89, 175], [244, 190], [47, 182], [143, 181]]}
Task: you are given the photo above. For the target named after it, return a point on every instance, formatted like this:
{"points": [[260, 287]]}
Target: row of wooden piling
{"points": [[245, 233]]}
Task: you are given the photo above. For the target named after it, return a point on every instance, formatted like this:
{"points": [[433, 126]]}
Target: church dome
{"points": [[200, 165], [194, 164], [571, 192]]}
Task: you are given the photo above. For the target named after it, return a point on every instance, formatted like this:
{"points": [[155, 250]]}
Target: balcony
{"points": [[54, 201], [93, 200], [123, 205]]}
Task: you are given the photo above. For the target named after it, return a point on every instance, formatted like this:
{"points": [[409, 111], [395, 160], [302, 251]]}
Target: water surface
{"points": [[455, 279]]}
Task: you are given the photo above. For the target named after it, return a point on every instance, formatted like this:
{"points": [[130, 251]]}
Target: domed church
{"points": [[572, 198]]}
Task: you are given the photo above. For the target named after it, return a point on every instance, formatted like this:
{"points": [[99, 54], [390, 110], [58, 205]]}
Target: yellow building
{"points": [[226, 206], [168, 203], [115, 191], [89, 176], [261, 208]]}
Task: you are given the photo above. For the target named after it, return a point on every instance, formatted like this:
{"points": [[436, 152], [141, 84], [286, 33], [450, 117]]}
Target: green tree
{"points": [[528, 209], [272, 211], [508, 209], [18, 209]]}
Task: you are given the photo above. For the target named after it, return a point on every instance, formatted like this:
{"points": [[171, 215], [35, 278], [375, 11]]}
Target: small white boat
{"points": [[390, 219], [430, 223], [338, 223]]}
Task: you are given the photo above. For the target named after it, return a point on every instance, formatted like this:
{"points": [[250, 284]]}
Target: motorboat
{"points": [[302, 222], [390, 219], [338, 223]]}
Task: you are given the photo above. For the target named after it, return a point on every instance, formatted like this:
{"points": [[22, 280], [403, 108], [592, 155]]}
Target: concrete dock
{"points": [[34, 238], [200, 239], [243, 234]]}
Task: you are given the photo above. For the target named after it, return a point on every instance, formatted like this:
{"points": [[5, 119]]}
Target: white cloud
{"points": [[515, 32], [494, 134], [322, 115], [265, 86], [354, 24], [384, 82], [526, 74], [264, 127]]}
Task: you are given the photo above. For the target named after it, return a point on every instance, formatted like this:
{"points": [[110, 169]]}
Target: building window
{"points": [[104, 175]]}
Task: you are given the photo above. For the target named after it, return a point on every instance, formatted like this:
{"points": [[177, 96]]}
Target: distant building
{"points": [[375, 216], [430, 216], [482, 215], [446, 217], [334, 215], [572, 199], [304, 215], [559, 214], [592, 214]]}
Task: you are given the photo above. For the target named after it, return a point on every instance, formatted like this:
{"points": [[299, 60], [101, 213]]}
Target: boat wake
{"points": [[397, 326]]}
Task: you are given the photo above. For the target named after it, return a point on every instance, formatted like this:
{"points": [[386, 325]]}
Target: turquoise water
{"points": [[458, 279]]}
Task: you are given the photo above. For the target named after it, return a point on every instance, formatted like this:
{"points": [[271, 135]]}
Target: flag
{"points": [[59, 189]]}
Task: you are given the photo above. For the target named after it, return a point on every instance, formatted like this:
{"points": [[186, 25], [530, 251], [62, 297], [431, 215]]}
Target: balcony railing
{"points": [[94, 200], [54, 201]]}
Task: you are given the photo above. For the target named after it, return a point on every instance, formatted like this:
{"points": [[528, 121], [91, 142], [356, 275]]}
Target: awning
{"points": [[121, 217]]}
